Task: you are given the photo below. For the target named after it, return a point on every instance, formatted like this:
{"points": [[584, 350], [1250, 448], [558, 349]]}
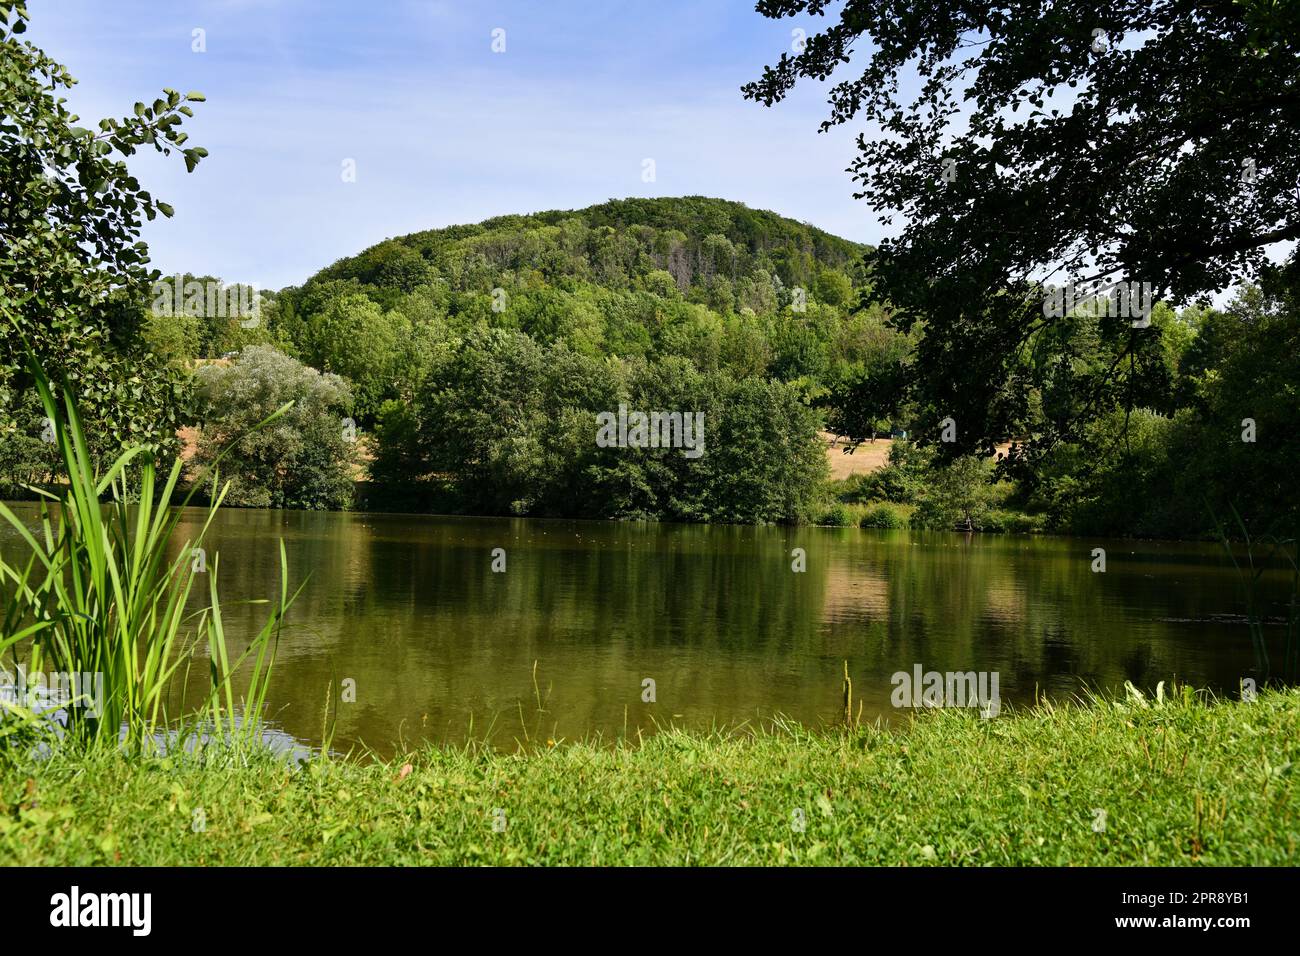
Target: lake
{"points": [[439, 646]]}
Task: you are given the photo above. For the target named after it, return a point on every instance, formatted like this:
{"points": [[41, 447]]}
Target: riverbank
{"points": [[1183, 782]]}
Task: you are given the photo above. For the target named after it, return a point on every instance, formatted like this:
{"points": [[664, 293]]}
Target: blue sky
{"points": [[442, 129]]}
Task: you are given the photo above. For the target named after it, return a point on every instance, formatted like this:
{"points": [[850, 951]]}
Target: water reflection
{"points": [[440, 647]]}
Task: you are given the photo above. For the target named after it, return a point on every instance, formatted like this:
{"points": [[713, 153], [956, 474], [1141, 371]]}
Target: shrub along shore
{"points": [[1178, 782]]}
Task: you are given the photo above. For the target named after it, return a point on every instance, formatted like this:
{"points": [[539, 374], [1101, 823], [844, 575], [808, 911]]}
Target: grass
{"points": [[1181, 781]]}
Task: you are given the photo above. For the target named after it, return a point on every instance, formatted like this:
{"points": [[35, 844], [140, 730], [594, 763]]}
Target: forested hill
{"points": [[692, 238], [477, 356], [474, 361]]}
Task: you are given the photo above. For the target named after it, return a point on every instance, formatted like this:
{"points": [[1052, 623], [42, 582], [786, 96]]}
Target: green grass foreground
{"points": [[1181, 782]]}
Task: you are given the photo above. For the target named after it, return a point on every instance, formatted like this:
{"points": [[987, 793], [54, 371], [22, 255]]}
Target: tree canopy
{"points": [[74, 277], [302, 459], [1054, 141]]}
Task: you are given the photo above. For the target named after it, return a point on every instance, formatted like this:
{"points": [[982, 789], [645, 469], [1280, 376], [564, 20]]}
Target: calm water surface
{"points": [[442, 648]]}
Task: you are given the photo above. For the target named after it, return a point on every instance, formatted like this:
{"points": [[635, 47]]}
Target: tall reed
{"points": [[94, 591]]}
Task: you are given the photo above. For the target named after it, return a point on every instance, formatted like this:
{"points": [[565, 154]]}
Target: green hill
{"points": [[476, 359], [614, 244], [478, 355]]}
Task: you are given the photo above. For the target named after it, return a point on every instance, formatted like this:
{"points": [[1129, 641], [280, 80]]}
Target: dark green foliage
{"points": [[904, 479], [764, 459], [505, 425], [1152, 474], [998, 171], [618, 245], [1071, 140], [28, 455], [201, 317], [1011, 522], [836, 516]]}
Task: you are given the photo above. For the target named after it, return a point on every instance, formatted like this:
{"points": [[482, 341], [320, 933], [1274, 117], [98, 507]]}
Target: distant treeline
{"points": [[471, 363]]}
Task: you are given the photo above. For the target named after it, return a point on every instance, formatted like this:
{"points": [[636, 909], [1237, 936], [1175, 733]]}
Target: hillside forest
{"points": [[461, 370]]}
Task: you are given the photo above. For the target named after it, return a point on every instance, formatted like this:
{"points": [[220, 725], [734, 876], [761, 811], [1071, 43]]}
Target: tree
{"points": [[758, 294], [506, 422], [866, 400], [74, 277], [348, 334], [833, 287], [175, 338], [959, 494], [1231, 446], [27, 456], [194, 316], [1055, 141], [505, 425], [303, 459], [765, 460]]}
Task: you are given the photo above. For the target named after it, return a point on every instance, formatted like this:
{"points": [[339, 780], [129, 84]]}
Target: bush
{"points": [[859, 488], [25, 458], [883, 516], [905, 478], [837, 516], [1011, 522]]}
